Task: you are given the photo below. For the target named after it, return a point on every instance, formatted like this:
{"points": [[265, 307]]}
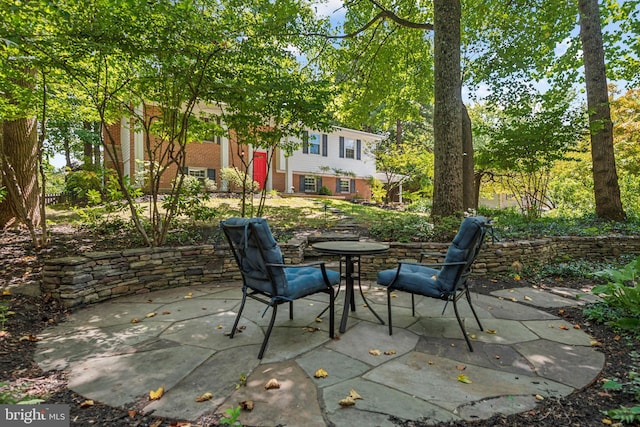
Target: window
{"points": [[314, 143], [349, 148], [310, 184], [199, 173], [345, 186], [210, 135]]}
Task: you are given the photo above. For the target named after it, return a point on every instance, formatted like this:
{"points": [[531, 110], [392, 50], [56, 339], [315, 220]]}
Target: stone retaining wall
{"points": [[99, 276]]}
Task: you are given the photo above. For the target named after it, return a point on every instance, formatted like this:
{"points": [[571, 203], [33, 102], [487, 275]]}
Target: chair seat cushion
{"points": [[415, 279], [305, 281]]}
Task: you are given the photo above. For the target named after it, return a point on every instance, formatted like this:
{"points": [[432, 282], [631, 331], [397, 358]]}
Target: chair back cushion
{"points": [[463, 249], [254, 246]]}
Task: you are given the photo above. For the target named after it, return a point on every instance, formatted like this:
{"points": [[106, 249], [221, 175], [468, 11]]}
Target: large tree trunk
{"points": [[447, 118], [468, 176], [19, 163], [605, 177]]}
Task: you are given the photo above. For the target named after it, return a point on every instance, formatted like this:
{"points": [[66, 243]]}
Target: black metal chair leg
{"points": [[235, 324], [389, 310], [268, 333], [473, 310], [331, 314], [290, 310], [464, 332], [369, 305]]}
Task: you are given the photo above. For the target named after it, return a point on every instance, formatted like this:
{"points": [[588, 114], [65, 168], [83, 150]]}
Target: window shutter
{"points": [[358, 149], [301, 189], [211, 174], [305, 142], [184, 171], [325, 145], [342, 146], [319, 183], [353, 185], [337, 185]]}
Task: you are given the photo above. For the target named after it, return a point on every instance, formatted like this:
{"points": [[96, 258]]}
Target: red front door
{"points": [[260, 167]]}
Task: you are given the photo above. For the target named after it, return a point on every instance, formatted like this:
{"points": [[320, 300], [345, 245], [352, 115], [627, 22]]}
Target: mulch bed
{"points": [[21, 264]]}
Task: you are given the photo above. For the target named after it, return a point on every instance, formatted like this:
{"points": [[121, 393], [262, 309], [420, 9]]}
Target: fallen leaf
{"points": [[272, 383], [464, 379], [219, 327], [157, 423], [247, 405], [87, 403], [6, 292], [318, 319], [157, 394], [4, 334], [595, 344], [164, 313], [347, 401], [527, 298], [491, 331], [513, 299], [204, 397], [30, 338], [132, 413], [374, 352], [496, 356], [311, 329], [538, 397], [561, 311], [577, 327], [390, 352], [189, 295], [607, 421], [394, 296], [472, 336], [431, 362], [152, 314], [564, 327], [135, 320], [461, 367], [617, 338], [321, 373], [516, 277], [354, 395]]}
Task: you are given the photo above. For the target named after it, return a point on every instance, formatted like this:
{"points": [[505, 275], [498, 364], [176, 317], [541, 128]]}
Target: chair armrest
{"points": [[311, 264], [431, 264]]}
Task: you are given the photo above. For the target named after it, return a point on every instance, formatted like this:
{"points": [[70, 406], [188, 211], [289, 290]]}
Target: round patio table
{"points": [[350, 250]]}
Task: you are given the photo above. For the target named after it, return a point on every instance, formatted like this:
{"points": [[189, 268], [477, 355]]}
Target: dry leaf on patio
{"points": [[374, 352], [354, 395], [164, 313], [135, 320], [527, 298], [538, 397], [389, 352], [87, 403], [311, 329], [576, 327], [595, 344], [189, 295], [204, 397], [272, 383], [319, 319], [513, 299], [30, 338], [152, 314], [431, 362], [157, 394], [321, 373], [132, 413], [564, 327], [464, 379], [491, 331], [461, 367], [347, 401], [247, 405], [156, 423]]}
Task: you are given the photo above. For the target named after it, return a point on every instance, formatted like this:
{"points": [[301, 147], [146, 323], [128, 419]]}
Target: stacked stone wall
{"points": [[99, 276]]}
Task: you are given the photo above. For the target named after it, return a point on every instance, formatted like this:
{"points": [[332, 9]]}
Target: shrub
{"points": [[324, 191], [621, 298]]}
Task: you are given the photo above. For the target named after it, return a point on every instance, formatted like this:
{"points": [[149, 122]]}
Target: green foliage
{"points": [[631, 388], [324, 191], [12, 397], [81, 181], [3, 193], [621, 298], [231, 417], [191, 199]]}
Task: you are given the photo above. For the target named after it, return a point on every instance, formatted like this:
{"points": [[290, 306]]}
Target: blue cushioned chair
{"points": [[447, 280], [266, 278]]}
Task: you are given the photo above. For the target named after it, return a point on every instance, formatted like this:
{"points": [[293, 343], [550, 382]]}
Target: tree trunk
{"points": [[19, 153], [447, 118], [468, 189], [605, 177]]}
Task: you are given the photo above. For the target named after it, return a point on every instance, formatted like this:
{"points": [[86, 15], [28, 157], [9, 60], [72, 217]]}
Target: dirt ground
{"points": [[21, 265]]}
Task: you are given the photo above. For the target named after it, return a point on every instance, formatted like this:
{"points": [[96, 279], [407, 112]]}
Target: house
{"points": [[341, 160]]}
